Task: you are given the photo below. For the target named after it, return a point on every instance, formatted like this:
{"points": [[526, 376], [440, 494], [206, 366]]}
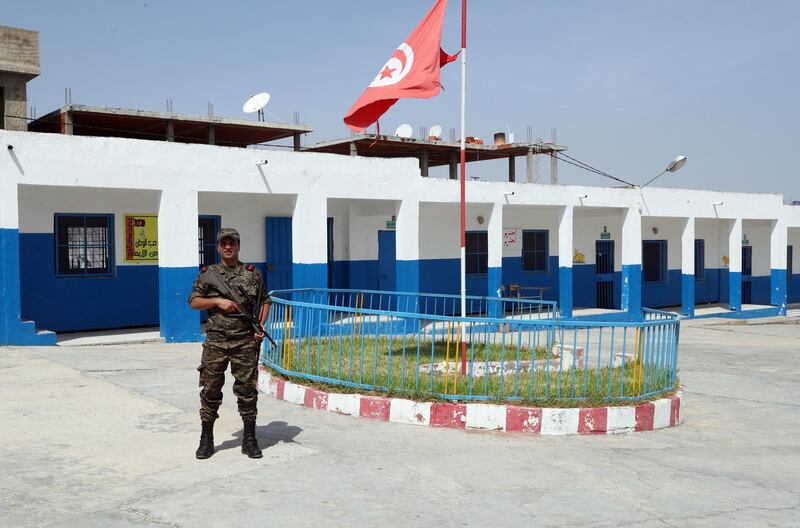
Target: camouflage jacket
{"points": [[231, 329]]}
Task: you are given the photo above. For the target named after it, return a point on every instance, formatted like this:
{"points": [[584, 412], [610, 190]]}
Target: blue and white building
{"points": [[311, 219]]}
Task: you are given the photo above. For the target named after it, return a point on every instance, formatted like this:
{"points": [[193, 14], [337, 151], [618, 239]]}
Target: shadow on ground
{"points": [[267, 435]]}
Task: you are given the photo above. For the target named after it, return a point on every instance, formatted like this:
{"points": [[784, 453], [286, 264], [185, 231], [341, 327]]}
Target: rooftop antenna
{"points": [[256, 104], [404, 131], [435, 132], [509, 135]]}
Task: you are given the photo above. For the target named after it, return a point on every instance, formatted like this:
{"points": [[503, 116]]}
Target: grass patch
{"points": [[401, 366]]}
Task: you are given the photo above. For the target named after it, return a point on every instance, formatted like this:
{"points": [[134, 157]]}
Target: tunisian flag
{"points": [[411, 71]]}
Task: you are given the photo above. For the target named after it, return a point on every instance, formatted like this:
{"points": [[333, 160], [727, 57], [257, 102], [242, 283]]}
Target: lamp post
{"points": [[673, 166]]}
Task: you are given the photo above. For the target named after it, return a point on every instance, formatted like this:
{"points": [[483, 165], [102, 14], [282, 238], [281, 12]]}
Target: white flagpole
{"points": [[463, 179]]}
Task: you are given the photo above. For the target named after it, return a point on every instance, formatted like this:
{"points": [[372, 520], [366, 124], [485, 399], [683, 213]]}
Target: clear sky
{"points": [[627, 84]]}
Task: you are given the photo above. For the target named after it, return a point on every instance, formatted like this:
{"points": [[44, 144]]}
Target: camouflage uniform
{"points": [[229, 338]]}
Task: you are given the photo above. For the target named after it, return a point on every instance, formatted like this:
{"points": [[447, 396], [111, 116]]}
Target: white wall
{"points": [[715, 235], [758, 233], [526, 217], [246, 214], [339, 210], [229, 183], [440, 228], [669, 229], [38, 205], [588, 224], [366, 219]]}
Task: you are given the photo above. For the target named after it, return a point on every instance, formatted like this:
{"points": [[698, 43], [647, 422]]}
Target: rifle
{"points": [[212, 278]]}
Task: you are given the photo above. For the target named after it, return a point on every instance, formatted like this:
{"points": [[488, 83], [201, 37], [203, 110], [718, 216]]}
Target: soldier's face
{"points": [[228, 248]]}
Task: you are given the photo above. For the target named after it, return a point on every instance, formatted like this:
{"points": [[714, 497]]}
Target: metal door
{"points": [[279, 253], [604, 273], [747, 274], [387, 261]]}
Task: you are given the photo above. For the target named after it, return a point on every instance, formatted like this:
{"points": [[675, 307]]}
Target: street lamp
{"points": [[673, 166]]}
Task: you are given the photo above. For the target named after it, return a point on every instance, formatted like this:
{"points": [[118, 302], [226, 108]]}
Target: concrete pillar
{"points": [[423, 163], [13, 331], [778, 241], [453, 165], [512, 169], [310, 241], [212, 138], [687, 268], [170, 131], [67, 127], [529, 175], [353, 149], [296, 142], [565, 230], [735, 264], [178, 263], [631, 287], [407, 249], [494, 273], [553, 170]]}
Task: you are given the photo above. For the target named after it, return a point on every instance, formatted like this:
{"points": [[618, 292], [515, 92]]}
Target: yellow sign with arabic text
{"points": [[141, 238]]}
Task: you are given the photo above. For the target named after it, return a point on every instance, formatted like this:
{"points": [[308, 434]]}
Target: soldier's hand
{"points": [[258, 336], [227, 306]]}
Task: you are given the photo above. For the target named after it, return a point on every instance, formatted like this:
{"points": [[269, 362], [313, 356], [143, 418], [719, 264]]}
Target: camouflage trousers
{"points": [[244, 367]]}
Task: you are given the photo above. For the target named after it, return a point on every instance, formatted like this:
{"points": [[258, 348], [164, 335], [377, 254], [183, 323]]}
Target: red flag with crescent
{"points": [[411, 71]]}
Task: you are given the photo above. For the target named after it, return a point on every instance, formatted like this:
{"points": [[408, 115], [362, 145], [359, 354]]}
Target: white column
{"points": [[631, 300], [408, 246], [687, 267], [565, 230], [494, 275], [178, 261], [778, 242], [735, 264], [310, 241]]}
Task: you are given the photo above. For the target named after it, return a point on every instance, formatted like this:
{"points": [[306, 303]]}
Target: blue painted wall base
{"points": [[178, 321], [565, 291], [687, 295], [408, 275], [631, 287], [13, 330], [494, 278], [735, 290], [778, 289]]}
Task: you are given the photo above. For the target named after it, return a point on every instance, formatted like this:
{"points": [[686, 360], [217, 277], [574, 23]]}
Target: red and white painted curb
{"points": [[658, 414]]}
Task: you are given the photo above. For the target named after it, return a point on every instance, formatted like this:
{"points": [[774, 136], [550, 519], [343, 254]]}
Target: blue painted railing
{"points": [[411, 344]]}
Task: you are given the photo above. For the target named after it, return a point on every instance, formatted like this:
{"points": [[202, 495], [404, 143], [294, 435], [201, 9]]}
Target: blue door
{"points": [[604, 273], [747, 274], [387, 261], [279, 253]]}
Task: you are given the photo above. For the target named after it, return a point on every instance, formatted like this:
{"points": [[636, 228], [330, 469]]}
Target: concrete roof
{"points": [[439, 152], [142, 124]]}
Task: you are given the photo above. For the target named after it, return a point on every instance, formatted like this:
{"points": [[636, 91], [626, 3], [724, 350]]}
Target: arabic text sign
{"points": [[141, 238], [511, 238]]}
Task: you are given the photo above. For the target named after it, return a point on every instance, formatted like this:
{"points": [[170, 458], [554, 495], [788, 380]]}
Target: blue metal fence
{"points": [[411, 343]]}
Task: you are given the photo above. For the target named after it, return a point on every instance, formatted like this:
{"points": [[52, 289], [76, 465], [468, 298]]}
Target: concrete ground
{"points": [[104, 436]]}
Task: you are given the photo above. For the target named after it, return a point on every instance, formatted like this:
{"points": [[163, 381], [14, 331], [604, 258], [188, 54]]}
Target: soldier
{"points": [[229, 338]]}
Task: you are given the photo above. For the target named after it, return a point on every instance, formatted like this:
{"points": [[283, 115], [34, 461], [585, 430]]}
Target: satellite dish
{"points": [[404, 131], [436, 131], [256, 103]]}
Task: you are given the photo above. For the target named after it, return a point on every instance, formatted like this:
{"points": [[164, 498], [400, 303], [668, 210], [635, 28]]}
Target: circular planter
{"points": [[658, 414]]}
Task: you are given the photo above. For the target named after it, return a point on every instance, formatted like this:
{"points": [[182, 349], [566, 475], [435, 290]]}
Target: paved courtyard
{"points": [[104, 436]]}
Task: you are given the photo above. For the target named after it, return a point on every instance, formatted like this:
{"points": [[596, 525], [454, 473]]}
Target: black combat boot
{"points": [[249, 442], [206, 447]]}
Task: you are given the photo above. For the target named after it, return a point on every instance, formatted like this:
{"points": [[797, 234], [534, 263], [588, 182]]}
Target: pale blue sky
{"points": [[628, 84]]}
